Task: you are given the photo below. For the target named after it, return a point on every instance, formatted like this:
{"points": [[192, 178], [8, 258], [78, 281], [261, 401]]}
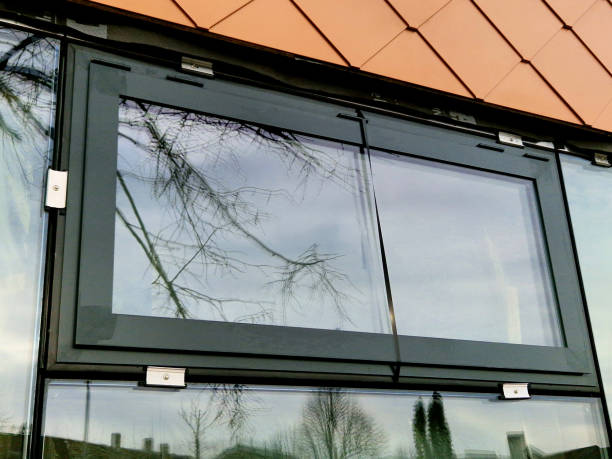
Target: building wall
{"points": [[552, 58], [432, 396]]}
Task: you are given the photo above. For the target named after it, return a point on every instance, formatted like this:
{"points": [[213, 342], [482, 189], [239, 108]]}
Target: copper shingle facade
{"points": [[552, 58]]}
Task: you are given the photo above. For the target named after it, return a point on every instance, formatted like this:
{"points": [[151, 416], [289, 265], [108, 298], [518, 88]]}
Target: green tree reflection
{"points": [[431, 433]]}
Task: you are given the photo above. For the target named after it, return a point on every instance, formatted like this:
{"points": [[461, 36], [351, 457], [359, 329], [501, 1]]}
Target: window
{"points": [[228, 221], [216, 220], [289, 422], [27, 110], [588, 187], [469, 258]]}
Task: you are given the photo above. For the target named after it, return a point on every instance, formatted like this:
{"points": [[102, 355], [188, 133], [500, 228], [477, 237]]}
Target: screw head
{"points": [[55, 187], [166, 377]]}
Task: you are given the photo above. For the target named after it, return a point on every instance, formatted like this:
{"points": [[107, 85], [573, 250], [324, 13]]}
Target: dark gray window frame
{"points": [[396, 136], [145, 340]]}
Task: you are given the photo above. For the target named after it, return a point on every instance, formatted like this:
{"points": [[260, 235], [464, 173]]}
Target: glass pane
{"points": [[102, 419], [28, 67], [465, 252], [588, 191], [227, 221]]}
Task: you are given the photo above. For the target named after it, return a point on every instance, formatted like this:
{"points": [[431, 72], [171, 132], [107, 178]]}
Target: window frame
{"points": [[148, 341], [396, 136]]}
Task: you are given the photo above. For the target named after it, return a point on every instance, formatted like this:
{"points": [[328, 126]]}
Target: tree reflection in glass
{"points": [[228, 221], [217, 421], [28, 66]]}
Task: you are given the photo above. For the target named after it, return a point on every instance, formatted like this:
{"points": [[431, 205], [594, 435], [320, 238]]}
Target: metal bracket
{"points": [[165, 377], [505, 138], [57, 182], [601, 159], [515, 391], [200, 67], [95, 30]]}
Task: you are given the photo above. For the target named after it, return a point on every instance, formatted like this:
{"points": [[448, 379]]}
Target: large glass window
{"points": [[588, 190], [106, 419], [228, 221], [28, 65], [217, 218], [467, 256]]}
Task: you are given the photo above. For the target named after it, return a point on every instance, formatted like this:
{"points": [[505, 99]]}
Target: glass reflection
{"points": [[588, 191], [102, 419], [227, 221], [28, 66], [466, 253]]}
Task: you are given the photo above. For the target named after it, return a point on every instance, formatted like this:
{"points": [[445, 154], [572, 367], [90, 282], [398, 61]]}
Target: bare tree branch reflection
{"points": [[207, 211], [27, 97], [333, 426], [26, 91], [226, 405]]}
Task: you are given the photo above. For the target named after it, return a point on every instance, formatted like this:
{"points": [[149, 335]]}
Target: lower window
{"points": [[113, 419]]}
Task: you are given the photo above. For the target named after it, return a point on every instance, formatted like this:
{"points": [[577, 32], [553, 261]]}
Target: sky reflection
{"points": [[588, 190], [27, 80], [276, 419], [227, 221], [465, 253]]}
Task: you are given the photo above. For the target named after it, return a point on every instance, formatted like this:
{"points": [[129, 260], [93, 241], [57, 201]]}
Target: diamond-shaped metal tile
{"points": [[416, 12], [570, 10], [604, 120], [569, 67], [470, 45], [527, 24], [357, 28], [523, 89], [287, 29], [208, 13], [409, 58], [595, 29]]}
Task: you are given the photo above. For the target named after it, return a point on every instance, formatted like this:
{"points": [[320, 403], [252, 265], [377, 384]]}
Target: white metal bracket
{"points": [[513, 140], [165, 377], [515, 391], [601, 159], [203, 68], [57, 182]]}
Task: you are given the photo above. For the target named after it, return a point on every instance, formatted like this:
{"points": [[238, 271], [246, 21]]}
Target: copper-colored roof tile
{"points": [[470, 45], [569, 67], [277, 24], [416, 12], [357, 28], [604, 120], [595, 29], [166, 10], [207, 13], [570, 10], [527, 24], [523, 89], [409, 58]]}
